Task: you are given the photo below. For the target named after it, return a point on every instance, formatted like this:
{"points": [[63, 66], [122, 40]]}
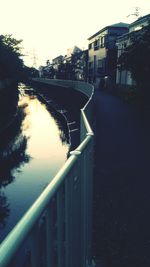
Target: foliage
{"points": [[136, 56], [11, 42], [73, 68], [28, 73], [11, 65], [48, 72]]}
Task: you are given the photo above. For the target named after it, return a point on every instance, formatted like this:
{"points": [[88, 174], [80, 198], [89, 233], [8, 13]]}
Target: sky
{"points": [[49, 27]]}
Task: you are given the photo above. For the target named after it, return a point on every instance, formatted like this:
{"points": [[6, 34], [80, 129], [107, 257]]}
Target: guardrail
{"points": [[56, 230]]}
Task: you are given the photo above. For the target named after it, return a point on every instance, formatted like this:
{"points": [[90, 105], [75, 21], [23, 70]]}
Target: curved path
{"points": [[122, 183]]}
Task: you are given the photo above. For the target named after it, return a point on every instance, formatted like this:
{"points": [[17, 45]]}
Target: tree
{"points": [[11, 65], [29, 73], [12, 43], [136, 57]]}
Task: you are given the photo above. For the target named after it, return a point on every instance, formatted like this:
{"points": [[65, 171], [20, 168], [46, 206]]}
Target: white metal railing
{"points": [[56, 230]]}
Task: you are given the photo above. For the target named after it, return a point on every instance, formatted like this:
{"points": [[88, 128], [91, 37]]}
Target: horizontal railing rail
{"points": [[56, 230]]}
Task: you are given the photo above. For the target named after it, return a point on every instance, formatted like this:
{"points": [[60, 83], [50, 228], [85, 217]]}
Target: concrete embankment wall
{"points": [[75, 95], [63, 91]]}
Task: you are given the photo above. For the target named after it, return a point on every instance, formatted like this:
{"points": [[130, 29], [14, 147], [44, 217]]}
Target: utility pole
{"points": [[34, 58]]}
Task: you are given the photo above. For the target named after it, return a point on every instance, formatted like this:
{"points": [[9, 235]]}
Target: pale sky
{"points": [[50, 27]]}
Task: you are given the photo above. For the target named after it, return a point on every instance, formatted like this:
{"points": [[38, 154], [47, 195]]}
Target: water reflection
{"points": [[32, 151], [12, 150], [60, 120], [12, 155], [4, 209]]}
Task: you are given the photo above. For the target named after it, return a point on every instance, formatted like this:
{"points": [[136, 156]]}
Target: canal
{"points": [[32, 150]]}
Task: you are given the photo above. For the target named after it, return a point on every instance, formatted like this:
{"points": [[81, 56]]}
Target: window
{"points": [[90, 46], [137, 28], [100, 66], [95, 44], [100, 63], [102, 40]]}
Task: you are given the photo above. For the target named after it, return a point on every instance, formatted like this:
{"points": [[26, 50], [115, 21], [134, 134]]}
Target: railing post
{"points": [[86, 202], [74, 191], [82, 129], [60, 224], [89, 199], [68, 222], [50, 235], [35, 252], [83, 208], [13, 263]]}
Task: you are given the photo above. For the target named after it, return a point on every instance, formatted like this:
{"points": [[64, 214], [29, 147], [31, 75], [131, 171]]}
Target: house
{"points": [[57, 61], [124, 77], [72, 51], [76, 64], [81, 65], [102, 53]]}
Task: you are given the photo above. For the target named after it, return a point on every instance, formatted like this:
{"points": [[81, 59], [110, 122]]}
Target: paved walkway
{"points": [[122, 184]]}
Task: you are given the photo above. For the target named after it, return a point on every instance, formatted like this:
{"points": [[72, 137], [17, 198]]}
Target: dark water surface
{"points": [[31, 153]]}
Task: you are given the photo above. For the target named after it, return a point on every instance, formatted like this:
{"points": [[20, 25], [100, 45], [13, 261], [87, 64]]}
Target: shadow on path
{"points": [[122, 184]]}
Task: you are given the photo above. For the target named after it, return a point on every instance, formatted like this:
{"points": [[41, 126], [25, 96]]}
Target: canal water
{"points": [[32, 150]]}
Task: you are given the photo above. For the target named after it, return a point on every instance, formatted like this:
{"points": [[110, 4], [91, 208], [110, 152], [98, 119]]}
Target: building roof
{"points": [[140, 20], [73, 50], [135, 23], [146, 17], [120, 24], [116, 25], [58, 57]]}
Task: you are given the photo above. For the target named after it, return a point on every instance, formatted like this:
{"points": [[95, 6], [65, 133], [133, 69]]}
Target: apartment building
{"points": [[124, 77], [102, 54]]}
